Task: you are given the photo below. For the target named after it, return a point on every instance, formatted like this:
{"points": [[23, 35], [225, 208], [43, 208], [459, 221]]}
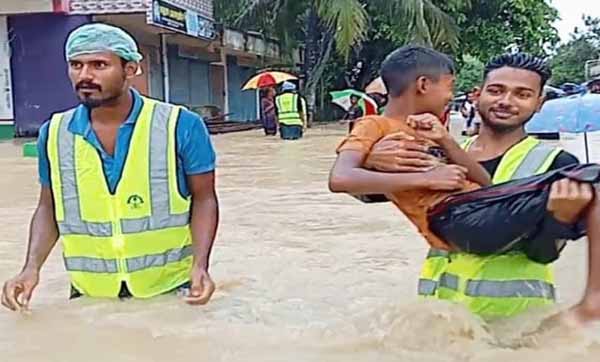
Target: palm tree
{"points": [[322, 26]]}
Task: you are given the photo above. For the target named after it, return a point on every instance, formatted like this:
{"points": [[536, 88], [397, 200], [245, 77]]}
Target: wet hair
{"points": [[404, 65], [521, 61]]}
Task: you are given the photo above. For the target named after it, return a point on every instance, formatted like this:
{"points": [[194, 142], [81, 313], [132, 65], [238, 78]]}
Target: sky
{"points": [[571, 12]]}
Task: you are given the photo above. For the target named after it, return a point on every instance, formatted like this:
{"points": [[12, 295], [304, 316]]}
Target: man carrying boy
{"points": [[420, 81]]}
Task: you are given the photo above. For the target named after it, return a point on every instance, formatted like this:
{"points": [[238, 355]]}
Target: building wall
{"points": [[242, 104], [203, 7], [40, 82], [155, 72], [6, 93], [104, 7], [189, 82], [31, 6], [217, 86]]}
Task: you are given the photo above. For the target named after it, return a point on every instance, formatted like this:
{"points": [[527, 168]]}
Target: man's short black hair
{"points": [[404, 65], [521, 61]]}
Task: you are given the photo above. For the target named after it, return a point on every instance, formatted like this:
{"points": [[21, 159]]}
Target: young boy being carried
{"points": [[447, 203]]}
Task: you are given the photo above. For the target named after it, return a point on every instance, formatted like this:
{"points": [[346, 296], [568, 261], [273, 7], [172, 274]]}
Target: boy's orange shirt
{"points": [[415, 203]]}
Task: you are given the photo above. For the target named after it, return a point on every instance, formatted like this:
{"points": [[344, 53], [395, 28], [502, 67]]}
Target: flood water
{"points": [[302, 275]]}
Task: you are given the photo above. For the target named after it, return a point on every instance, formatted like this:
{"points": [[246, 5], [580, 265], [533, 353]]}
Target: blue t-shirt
{"points": [[195, 153]]}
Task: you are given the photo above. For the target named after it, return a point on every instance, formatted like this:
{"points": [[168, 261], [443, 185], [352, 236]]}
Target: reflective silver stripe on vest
{"points": [[532, 162], [158, 260], [536, 157], [449, 281], [91, 265], [72, 223], [510, 289], [427, 287], [161, 218]]}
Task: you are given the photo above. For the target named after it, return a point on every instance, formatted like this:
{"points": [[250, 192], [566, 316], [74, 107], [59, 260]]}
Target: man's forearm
{"points": [[205, 219], [43, 235]]}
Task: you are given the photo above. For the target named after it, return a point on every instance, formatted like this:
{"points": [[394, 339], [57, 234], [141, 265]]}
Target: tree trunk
{"points": [[317, 50]]}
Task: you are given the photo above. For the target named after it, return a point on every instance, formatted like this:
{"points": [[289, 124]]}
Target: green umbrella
{"points": [[342, 99]]}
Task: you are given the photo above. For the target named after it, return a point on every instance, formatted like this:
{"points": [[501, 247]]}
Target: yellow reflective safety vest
{"points": [[495, 286], [287, 109], [139, 235]]}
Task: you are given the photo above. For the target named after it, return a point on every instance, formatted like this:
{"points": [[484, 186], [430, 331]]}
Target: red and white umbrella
{"points": [[267, 79]]}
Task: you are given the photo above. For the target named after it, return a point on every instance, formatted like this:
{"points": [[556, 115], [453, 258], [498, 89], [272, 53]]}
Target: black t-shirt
{"points": [[563, 159]]}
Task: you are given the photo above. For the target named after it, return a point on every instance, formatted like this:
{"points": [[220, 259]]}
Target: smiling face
{"points": [[100, 78], [435, 94], [509, 98]]}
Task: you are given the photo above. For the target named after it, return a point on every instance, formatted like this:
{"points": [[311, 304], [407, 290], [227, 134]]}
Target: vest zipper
{"points": [[118, 239]]}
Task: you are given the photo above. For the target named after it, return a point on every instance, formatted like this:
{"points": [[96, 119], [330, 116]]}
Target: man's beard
{"points": [[95, 103], [503, 128]]}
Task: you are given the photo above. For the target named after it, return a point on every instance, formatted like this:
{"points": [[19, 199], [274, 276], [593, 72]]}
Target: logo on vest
{"points": [[135, 201]]}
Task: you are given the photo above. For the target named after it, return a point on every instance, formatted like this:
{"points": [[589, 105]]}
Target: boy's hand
{"points": [[446, 178], [429, 126]]}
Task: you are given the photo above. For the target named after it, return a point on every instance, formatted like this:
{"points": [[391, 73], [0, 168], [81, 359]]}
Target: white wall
{"points": [[25, 6], [6, 98]]}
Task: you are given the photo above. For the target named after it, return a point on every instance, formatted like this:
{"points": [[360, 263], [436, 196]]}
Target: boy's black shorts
{"points": [[510, 216]]}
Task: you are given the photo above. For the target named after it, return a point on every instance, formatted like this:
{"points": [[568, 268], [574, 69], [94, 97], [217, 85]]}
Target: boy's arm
{"points": [[458, 156], [429, 126], [348, 176]]}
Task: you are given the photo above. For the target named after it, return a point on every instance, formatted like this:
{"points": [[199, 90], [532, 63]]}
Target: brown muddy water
{"points": [[302, 274]]}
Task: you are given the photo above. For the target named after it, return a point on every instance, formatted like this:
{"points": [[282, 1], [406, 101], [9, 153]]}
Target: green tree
{"points": [[489, 28], [568, 65], [485, 29], [325, 27], [470, 74], [344, 41]]}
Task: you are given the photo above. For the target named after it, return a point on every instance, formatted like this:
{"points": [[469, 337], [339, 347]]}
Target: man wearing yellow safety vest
{"points": [[499, 285], [127, 184], [291, 112]]}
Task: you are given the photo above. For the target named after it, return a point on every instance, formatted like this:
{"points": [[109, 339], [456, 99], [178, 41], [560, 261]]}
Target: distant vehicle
{"points": [[572, 89], [592, 69], [553, 92]]}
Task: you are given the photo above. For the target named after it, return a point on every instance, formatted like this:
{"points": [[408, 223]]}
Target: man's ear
{"points": [[132, 69]]}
